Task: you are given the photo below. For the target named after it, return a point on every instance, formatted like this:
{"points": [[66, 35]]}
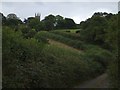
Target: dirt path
{"points": [[53, 42], [99, 82]]}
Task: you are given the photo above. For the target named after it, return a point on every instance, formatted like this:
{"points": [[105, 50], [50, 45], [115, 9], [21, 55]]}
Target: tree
{"points": [[49, 22], [69, 23], [3, 19], [27, 32], [59, 22], [13, 22], [112, 32], [94, 29], [32, 22]]}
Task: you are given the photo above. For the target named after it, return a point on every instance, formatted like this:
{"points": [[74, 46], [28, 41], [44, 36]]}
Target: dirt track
{"points": [[99, 82]]}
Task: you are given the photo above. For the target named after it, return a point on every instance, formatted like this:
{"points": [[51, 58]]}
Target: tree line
{"points": [[100, 29], [50, 22]]}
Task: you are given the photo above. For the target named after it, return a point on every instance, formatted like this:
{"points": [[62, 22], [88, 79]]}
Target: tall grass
{"points": [[73, 43], [69, 67], [68, 35]]}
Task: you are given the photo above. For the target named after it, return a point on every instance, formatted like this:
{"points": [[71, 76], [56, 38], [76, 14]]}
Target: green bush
{"points": [[95, 53], [17, 53], [113, 74], [27, 32], [113, 71], [40, 38]]}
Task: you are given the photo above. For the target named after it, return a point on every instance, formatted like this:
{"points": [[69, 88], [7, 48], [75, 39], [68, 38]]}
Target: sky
{"points": [[78, 11]]}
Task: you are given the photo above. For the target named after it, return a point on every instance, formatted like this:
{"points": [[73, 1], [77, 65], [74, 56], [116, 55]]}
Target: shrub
{"points": [[18, 53], [77, 31], [40, 38], [113, 72], [98, 54]]}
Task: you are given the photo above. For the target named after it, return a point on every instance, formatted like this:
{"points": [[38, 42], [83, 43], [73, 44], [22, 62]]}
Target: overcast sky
{"points": [[79, 11]]}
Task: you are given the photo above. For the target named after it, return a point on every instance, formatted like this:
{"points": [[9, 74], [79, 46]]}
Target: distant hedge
{"points": [[68, 35]]}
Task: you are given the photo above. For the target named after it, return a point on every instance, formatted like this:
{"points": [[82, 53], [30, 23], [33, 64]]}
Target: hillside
{"points": [[40, 54], [98, 82]]}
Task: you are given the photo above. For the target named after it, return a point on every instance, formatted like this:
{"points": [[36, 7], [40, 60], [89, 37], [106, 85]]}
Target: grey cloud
{"points": [[60, 0], [119, 6]]}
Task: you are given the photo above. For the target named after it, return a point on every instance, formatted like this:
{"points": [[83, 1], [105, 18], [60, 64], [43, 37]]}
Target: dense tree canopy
{"points": [[100, 29], [49, 22], [69, 23]]}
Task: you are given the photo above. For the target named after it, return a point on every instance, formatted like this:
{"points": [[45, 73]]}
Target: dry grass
{"points": [[59, 44]]}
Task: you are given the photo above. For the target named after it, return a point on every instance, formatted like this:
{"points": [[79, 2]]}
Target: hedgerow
{"points": [[73, 43]]}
